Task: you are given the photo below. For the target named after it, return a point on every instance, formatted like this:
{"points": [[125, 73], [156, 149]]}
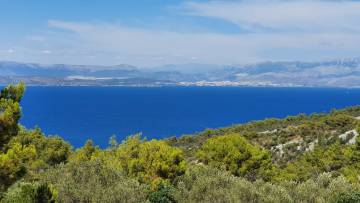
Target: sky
{"points": [[149, 33]]}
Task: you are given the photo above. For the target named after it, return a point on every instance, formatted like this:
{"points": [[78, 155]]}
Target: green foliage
{"points": [[163, 194], [13, 164], [150, 160], [339, 121], [29, 153], [348, 197], [235, 154], [51, 150], [23, 192], [13, 92], [86, 153], [206, 184], [10, 112], [93, 181], [330, 158]]}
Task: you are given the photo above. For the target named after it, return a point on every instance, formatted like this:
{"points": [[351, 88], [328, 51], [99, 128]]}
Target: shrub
{"points": [[237, 155], [150, 160], [206, 184], [163, 194], [23, 192], [93, 181], [348, 197], [13, 163]]}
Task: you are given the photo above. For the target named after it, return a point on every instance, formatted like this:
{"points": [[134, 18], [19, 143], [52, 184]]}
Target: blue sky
{"points": [[157, 32]]}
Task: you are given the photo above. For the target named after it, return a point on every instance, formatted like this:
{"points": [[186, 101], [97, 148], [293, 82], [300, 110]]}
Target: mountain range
{"points": [[332, 73]]}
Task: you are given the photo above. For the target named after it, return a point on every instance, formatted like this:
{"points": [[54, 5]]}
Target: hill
{"points": [[303, 158]]}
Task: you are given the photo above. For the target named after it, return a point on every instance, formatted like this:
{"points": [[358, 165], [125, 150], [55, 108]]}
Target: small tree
{"points": [[163, 194], [10, 111], [235, 154], [150, 160]]}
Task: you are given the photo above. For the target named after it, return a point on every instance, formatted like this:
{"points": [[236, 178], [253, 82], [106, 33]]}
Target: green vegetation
{"points": [[235, 154], [304, 158]]}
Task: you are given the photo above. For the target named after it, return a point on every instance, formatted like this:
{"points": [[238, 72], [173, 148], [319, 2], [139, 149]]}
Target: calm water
{"points": [[80, 113]]}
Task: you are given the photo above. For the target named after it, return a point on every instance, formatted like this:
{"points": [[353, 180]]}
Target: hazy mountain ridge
{"points": [[342, 73], [335, 73]]}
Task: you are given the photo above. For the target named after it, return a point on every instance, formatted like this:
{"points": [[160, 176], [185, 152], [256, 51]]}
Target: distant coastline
{"points": [[334, 73], [180, 84]]}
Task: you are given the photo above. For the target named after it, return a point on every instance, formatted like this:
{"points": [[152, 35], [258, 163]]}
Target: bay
{"points": [[81, 113]]}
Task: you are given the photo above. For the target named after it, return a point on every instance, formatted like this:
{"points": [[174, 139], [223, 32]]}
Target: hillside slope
{"points": [[304, 158]]}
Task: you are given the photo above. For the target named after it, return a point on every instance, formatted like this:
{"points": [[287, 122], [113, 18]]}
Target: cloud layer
{"points": [[285, 16], [268, 30]]}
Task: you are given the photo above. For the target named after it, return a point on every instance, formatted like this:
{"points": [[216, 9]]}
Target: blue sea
{"points": [[81, 113]]}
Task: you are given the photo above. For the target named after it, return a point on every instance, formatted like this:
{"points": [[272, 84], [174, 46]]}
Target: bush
{"points": [[13, 163], [93, 182], [23, 192], [28, 153], [348, 197], [10, 112], [150, 160], [206, 184], [235, 154], [163, 194]]}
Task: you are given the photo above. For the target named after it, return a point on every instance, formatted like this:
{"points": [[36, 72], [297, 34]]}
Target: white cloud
{"points": [[139, 46], [10, 51], [288, 16]]}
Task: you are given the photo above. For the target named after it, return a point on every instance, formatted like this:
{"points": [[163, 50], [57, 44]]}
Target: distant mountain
{"points": [[333, 73], [189, 68], [342, 73], [62, 70]]}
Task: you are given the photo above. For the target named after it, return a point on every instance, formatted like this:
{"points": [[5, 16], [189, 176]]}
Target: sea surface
{"points": [[81, 113]]}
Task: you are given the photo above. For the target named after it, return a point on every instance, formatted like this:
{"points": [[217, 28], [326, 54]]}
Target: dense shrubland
{"points": [[314, 158]]}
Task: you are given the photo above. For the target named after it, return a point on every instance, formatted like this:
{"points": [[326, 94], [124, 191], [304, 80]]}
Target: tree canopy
{"points": [[235, 154]]}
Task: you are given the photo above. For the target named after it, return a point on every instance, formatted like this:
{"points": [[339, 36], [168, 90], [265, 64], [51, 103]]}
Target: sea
{"points": [[81, 113]]}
